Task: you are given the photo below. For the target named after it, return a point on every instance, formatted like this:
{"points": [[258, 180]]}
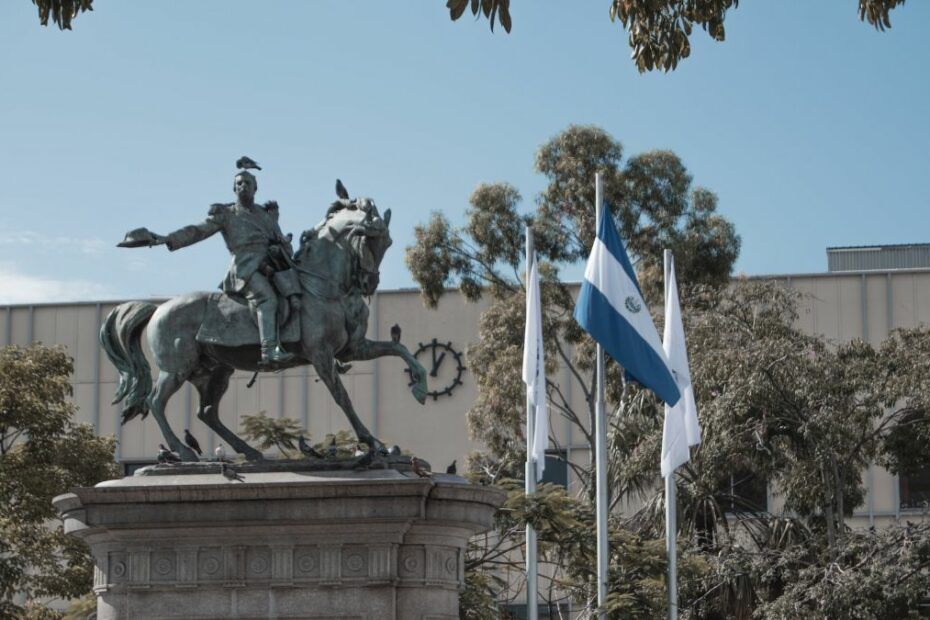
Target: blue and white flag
{"points": [[611, 309], [534, 371], [681, 429]]}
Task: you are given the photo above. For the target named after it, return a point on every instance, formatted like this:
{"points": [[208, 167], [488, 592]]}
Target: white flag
{"points": [[534, 371], [681, 429]]}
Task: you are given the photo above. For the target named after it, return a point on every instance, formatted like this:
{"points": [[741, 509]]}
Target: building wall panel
{"points": [[904, 303], [21, 330]]}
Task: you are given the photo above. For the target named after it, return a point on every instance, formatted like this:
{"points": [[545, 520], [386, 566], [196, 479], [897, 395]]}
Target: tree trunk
{"points": [[828, 513], [838, 481]]}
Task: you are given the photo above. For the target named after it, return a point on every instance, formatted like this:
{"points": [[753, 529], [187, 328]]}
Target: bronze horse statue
{"points": [[337, 265]]}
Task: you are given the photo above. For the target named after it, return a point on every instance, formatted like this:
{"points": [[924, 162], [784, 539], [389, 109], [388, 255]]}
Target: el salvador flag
{"points": [[611, 309]]}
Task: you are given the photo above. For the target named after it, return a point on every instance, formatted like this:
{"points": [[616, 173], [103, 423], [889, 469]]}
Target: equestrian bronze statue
{"points": [[275, 310]]}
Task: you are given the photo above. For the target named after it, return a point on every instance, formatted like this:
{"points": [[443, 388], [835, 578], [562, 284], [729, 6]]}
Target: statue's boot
{"points": [[273, 356]]}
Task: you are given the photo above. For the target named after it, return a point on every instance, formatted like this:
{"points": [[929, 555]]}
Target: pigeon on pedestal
{"points": [[192, 442], [307, 449], [167, 456], [422, 473], [230, 473], [451, 469]]}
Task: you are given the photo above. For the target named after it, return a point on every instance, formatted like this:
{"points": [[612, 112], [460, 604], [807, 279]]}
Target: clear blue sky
{"points": [[811, 127]]}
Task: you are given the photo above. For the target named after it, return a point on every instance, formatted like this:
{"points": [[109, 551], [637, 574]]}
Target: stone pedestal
{"points": [[374, 545]]}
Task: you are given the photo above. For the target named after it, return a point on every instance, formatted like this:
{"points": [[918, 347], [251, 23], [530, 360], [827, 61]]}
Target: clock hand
{"points": [[436, 364]]}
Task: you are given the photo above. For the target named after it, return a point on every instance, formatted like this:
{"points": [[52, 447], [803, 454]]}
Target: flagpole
{"points": [[671, 501], [532, 611], [601, 445]]}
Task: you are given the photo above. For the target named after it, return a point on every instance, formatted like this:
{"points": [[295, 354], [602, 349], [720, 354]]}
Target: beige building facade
{"points": [[849, 302]]}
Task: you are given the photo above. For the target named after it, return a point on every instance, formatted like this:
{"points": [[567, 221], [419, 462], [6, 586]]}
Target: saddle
{"points": [[229, 322]]}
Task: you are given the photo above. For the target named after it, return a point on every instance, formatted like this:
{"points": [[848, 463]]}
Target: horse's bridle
{"points": [[361, 274]]}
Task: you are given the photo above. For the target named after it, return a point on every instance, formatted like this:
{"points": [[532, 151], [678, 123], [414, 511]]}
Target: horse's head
{"points": [[369, 237], [353, 230]]}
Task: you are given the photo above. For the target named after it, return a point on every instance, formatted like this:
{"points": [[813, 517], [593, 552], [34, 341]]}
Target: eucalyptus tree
{"points": [[653, 201]]}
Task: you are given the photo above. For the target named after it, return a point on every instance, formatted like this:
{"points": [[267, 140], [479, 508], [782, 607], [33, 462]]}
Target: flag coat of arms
{"points": [[611, 308]]}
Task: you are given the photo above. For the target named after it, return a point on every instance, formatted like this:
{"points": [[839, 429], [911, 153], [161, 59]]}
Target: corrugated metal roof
{"points": [[878, 257]]}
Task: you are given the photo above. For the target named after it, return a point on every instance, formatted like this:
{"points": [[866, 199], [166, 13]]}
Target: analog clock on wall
{"points": [[444, 367]]}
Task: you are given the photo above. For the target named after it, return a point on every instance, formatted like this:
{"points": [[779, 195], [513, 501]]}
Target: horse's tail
{"points": [[121, 338]]}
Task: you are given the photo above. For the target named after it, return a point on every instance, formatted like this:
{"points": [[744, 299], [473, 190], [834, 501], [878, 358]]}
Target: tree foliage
{"points": [[282, 433], [660, 30], [565, 527], [61, 12], [42, 454]]}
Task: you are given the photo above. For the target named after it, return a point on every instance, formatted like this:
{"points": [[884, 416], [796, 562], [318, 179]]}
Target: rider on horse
{"points": [[261, 257]]}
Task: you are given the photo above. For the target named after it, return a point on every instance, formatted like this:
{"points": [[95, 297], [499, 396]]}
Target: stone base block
{"points": [[374, 545]]}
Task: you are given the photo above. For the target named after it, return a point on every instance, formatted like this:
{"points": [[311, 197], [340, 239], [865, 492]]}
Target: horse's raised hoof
{"points": [[420, 392]]}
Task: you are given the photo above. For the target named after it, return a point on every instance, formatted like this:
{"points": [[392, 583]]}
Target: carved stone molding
{"points": [[279, 565]]}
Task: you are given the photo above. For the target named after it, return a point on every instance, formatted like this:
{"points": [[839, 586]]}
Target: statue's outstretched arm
{"points": [[190, 235]]}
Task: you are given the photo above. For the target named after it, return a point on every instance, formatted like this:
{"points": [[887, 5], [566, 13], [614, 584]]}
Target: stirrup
{"points": [[274, 357]]}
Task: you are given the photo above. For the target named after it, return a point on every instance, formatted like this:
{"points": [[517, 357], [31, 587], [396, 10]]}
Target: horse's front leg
{"points": [[371, 349], [323, 363]]}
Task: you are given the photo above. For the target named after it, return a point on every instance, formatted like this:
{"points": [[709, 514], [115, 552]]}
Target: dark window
{"points": [[556, 471], [130, 467], [914, 489], [744, 492], [518, 612]]}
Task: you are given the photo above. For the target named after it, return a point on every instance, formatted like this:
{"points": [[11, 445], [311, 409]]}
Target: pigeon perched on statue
{"points": [[192, 442], [230, 473], [418, 470], [394, 451], [451, 469], [341, 190], [220, 453], [247, 163], [167, 456], [307, 449], [395, 333], [333, 449]]}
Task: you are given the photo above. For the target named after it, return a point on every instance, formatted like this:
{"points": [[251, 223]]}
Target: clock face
{"points": [[444, 368]]}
